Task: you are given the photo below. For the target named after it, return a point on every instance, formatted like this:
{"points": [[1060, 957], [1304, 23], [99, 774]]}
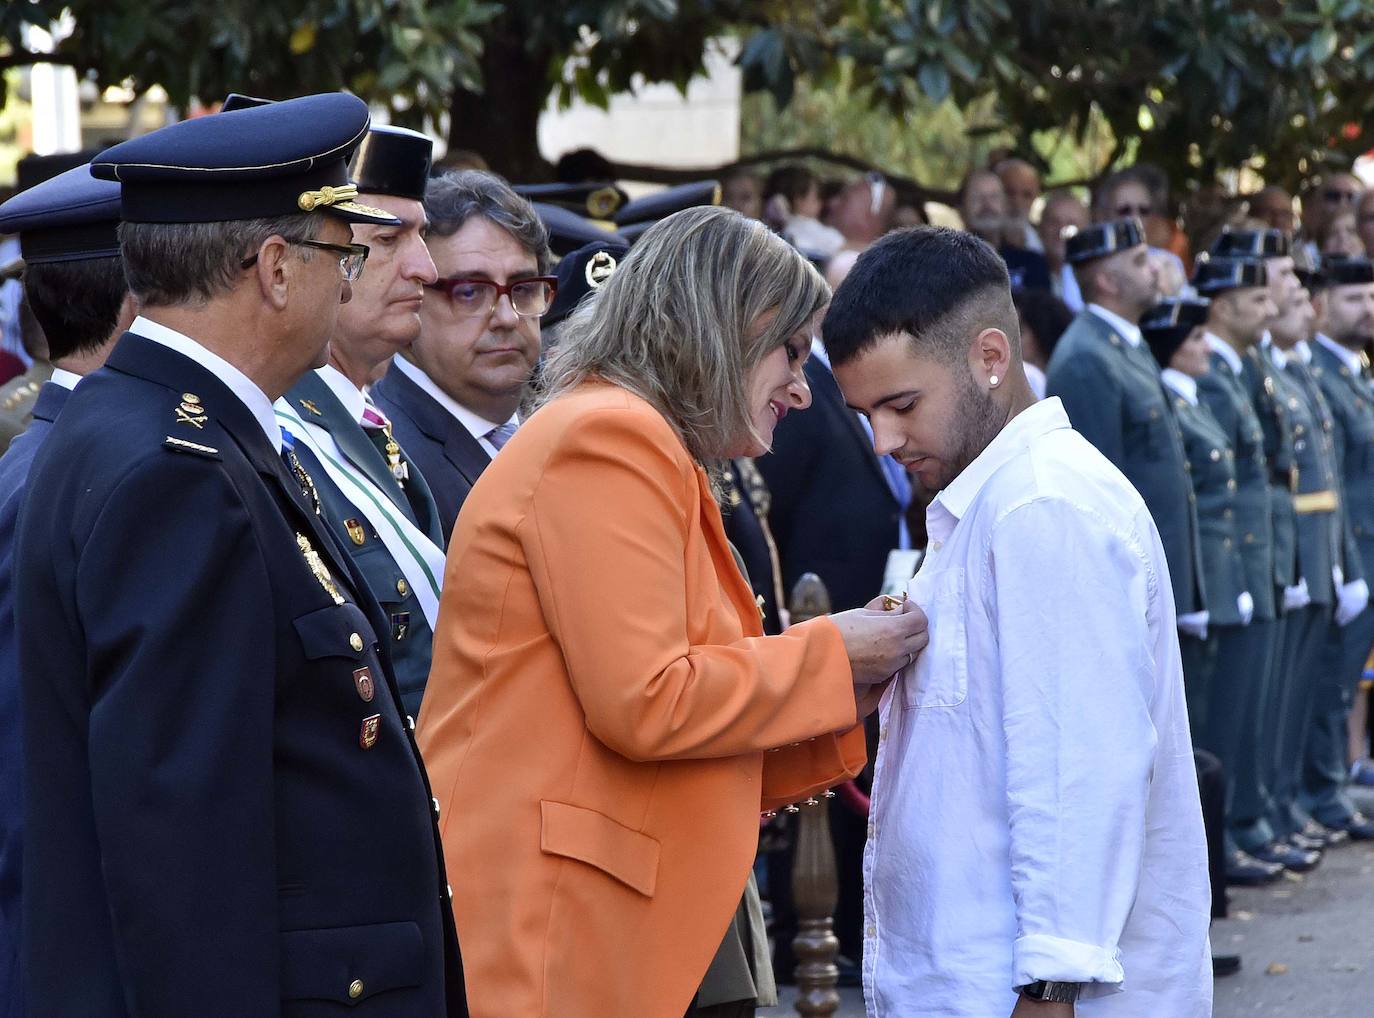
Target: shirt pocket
{"points": [[939, 676]]}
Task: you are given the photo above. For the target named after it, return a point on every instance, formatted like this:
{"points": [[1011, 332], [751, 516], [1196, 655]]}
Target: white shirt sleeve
{"points": [[1073, 623]]}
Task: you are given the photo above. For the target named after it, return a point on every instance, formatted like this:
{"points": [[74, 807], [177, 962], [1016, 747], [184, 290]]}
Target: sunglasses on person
{"points": [[352, 257], [529, 297]]}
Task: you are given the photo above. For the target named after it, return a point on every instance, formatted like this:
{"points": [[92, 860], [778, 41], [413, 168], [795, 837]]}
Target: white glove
{"points": [[1297, 596], [1246, 605], [1194, 624], [1351, 599]]}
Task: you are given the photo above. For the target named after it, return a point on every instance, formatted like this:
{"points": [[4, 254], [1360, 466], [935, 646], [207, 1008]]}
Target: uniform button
{"points": [[1226, 542], [1231, 485], [410, 722], [1249, 538], [1226, 514], [1216, 455], [355, 989], [355, 641], [435, 803], [402, 587]]}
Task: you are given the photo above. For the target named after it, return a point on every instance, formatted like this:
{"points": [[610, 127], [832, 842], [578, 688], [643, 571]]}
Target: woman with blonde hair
{"points": [[604, 720]]}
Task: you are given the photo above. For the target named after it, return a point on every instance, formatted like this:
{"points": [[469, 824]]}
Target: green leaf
{"points": [[934, 81]]}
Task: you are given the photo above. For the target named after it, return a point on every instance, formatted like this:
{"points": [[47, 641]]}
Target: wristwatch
{"points": [[1043, 989]]}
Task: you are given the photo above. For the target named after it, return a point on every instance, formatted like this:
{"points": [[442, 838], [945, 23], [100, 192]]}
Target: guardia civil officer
{"points": [[74, 285], [1345, 326], [1109, 383], [373, 496], [1319, 542], [1240, 307], [228, 815]]}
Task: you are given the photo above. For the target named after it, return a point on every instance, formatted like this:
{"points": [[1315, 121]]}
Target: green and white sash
{"points": [[418, 558]]}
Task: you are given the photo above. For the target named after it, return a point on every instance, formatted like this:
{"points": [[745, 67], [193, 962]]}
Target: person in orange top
{"points": [[604, 720]]}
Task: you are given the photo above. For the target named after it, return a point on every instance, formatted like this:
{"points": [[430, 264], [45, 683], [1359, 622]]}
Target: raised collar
{"points": [[1129, 332], [1225, 351], [1347, 357], [953, 502], [1184, 385]]}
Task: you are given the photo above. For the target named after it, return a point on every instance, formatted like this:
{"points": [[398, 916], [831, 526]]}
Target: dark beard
{"points": [[979, 422]]}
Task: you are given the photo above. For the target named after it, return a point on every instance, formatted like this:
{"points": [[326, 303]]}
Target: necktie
{"points": [[500, 435], [378, 430]]}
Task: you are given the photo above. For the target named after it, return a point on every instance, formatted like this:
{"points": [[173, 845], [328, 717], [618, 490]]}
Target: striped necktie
{"points": [[500, 435]]}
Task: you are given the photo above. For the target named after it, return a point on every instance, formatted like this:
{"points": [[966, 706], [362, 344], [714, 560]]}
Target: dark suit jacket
{"points": [[447, 454], [1026, 268], [833, 513], [227, 814], [14, 477]]}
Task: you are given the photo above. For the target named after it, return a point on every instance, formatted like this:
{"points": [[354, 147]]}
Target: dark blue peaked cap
{"points": [[258, 162], [67, 218]]}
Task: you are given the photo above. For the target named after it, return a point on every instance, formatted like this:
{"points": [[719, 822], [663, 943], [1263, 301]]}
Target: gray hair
{"points": [[453, 198], [678, 323], [190, 263]]}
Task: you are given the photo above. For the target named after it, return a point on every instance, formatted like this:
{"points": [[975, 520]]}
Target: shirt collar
{"points": [[66, 379], [1276, 356], [819, 352], [478, 427], [238, 383], [1184, 385], [1348, 357], [1303, 351], [344, 391], [1036, 420], [1225, 351], [1130, 333]]}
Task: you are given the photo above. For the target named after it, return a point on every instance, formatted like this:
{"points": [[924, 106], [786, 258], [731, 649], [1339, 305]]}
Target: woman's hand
{"points": [[880, 643]]}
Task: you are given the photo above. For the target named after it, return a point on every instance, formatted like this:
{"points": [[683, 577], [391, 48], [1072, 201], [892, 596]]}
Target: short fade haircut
{"points": [[453, 198], [76, 304], [930, 282], [168, 264]]}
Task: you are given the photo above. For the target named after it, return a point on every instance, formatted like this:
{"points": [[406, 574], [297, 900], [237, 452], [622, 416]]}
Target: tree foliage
{"points": [[1198, 86]]}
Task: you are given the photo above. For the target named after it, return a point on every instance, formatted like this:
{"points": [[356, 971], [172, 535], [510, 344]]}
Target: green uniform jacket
{"points": [[1275, 420], [17, 397], [411, 638], [1223, 392], [1352, 408], [1212, 467], [1322, 534], [1114, 398]]}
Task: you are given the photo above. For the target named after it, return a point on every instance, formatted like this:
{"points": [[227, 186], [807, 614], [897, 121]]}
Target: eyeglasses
{"points": [[529, 297], [1335, 196], [1127, 210], [352, 257]]}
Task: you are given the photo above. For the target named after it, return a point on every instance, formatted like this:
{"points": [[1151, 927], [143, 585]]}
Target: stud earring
{"points": [[993, 380]]}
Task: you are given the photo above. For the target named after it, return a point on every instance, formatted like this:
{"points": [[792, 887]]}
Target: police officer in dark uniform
{"points": [[228, 814], [74, 283], [1339, 367], [373, 496]]}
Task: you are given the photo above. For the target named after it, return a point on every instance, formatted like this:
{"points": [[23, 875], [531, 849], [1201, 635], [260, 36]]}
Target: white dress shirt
{"points": [[478, 427], [66, 379], [348, 394], [1035, 806], [238, 383]]}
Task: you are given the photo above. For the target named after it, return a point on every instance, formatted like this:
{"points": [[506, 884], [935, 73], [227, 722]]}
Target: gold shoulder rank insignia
{"points": [[309, 406], [317, 566], [179, 443], [190, 411]]}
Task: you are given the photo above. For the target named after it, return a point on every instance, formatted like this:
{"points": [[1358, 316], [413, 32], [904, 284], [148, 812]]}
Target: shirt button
{"points": [[402, 587], [872, 930], [872, 827], [355, 641], [937, 545], [355, 989]]}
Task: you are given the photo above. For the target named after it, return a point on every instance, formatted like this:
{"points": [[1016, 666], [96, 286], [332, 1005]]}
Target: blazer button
{"points": [[355, 641], [355, 989], [1216, 455], [402, 587]]}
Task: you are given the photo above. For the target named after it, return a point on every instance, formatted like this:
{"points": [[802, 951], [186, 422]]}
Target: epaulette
{"points": [[194, 448]]}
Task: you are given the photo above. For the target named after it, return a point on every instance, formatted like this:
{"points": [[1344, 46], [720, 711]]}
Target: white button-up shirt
{"points": [[1035, 808]]}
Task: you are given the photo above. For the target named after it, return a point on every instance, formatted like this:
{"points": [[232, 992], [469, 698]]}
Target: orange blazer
{"points": [[599, 715]]}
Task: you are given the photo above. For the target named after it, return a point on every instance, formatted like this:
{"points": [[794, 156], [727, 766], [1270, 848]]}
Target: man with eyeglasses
{"points": [[372, 496], [453, 396], [227, 813]]}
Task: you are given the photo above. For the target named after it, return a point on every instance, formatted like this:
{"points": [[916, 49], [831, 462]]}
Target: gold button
{"points": [[355, 641], [402, 587], [355, 989]]}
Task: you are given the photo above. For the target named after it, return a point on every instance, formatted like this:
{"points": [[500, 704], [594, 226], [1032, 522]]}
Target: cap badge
{"points": [[603, 202], [599, 269], [317, 566]]}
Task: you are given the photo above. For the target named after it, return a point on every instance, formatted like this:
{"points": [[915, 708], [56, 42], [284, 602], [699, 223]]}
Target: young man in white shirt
{"points": [[1035, 835]]}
